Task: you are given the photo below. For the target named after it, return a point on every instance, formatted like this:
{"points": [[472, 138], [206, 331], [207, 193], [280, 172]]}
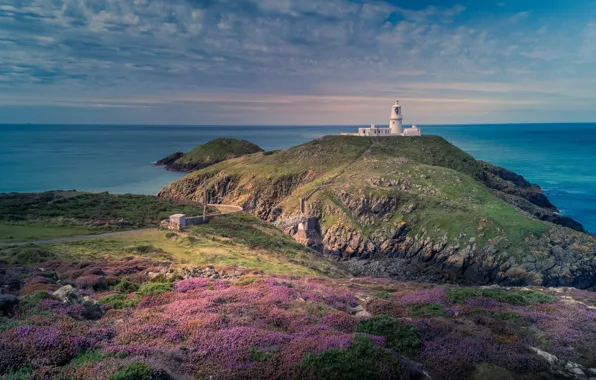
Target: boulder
{"points": [[70, 296]]}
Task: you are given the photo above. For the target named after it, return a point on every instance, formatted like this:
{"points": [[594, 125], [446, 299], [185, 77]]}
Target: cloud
{"points": [[173, 52]]}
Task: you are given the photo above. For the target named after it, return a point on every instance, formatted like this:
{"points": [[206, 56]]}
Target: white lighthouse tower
{"points": [[396, 119], [396, 127]]}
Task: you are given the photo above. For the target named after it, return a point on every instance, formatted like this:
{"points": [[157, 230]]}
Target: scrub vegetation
{"points": [[55, 214]]}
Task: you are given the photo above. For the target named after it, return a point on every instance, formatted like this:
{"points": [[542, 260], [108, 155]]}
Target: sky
{"points": [[296, 62]]}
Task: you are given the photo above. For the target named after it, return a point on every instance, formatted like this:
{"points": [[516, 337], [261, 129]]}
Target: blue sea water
{"points": [[559, 157]]}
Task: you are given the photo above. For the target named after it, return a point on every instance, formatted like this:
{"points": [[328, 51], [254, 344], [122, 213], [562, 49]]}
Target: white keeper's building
{"points": [[395, 126]]}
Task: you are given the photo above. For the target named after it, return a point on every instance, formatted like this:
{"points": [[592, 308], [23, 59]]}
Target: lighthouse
{"points": [[396, 127], [396, 119]]}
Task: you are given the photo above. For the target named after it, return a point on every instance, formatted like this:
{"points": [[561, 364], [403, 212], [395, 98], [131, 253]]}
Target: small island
{"points": [[208, 154]]}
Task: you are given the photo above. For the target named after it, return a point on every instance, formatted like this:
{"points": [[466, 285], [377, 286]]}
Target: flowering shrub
{"points": [[92, 281], [378, 306], [286, 327], [191, 284], [424, 297]]}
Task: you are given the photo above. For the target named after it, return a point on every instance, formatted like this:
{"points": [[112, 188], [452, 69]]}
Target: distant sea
{"points": [[561, 158]]}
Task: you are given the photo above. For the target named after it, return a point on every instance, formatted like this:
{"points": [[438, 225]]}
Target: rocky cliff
{"points": [[408, 208], [205, 155]]}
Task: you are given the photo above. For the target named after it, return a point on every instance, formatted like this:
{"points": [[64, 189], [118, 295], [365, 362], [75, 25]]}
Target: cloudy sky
{"points": [[296, 61]]}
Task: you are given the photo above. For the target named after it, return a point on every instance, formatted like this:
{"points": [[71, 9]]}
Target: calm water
{"points": [[559, 157]]}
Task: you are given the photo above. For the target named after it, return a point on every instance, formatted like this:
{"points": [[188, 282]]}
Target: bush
{"points": [[119, 301], [143, 249], [29, 254], [245, 281], [403, 338], [459, 295], [521, 298], [126, 287], [29, 303], [93, 357], [383, 294], [430, 310], [537, 297], [12, 356], [260, 355], [363, 360], [154, 288], [93, 281], [133, 371]]}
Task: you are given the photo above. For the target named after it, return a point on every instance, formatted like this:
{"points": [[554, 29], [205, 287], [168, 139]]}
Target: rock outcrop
{"points": [[408, 208], [169, 160]]}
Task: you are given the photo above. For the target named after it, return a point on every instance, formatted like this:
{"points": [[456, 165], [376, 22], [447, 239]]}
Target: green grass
{"points": [[54, 214], [88, 357], [153, 289], [133, 371], [26, 254], [249, 231], [430, 310], [383, 294], [28, 231], [119, 301], [209, 248], [512, 297]]}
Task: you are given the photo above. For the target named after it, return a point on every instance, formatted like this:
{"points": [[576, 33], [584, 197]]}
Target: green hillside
{"points": [[420, 199]]}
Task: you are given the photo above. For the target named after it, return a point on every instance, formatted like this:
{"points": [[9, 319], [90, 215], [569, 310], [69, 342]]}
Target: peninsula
{"points": [[410, 208]]}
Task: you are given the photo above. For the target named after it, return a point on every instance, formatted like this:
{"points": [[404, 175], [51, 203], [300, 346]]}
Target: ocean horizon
{"points": [[119, 158]]}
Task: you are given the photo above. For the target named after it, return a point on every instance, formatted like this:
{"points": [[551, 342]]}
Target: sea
{"points": [[561, 158]]}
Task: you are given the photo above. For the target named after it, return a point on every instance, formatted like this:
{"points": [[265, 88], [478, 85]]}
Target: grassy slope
{"points": [[448, 203], [440, 181], [218, 150], [234, 239], [58, 214]]}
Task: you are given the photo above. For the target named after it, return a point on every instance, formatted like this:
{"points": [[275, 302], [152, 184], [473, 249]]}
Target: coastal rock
{"points": [[67, 294], [561, 368], [70, 296], [169, 160]]}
